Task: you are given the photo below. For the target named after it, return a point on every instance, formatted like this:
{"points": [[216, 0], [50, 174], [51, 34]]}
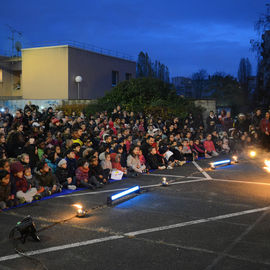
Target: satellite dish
{"points": [[18, 46]]}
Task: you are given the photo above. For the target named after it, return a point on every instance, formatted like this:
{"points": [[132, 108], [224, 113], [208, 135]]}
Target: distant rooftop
{"points": [[83, 46]]}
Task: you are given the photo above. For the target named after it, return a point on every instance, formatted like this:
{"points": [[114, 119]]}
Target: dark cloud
{"points": [[186, 35]]}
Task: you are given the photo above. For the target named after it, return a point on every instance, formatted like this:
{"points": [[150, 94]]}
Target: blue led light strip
{"points": [[221, 162], [124, 193]]}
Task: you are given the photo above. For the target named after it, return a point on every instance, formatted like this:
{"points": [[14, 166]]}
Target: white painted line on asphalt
{"points": [[132, 234], [171, 175], [198, 221], [235, 242], [201, 179], [91, 192], [240, 182], [62, 247], [201, 170]]}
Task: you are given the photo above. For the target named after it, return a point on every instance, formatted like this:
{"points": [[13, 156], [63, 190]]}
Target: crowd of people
{"points": [[44, 152]]}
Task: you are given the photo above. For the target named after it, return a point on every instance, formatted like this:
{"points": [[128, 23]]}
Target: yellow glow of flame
{"points": [[164, 178], [252, 153], [78, 206], [235, 158], [267, 165]]}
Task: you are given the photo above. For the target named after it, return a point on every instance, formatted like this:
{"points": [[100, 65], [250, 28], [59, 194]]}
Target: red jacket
{"points": [[116, 165], [209, 146], [21, 184], [265, 125], [81, 175]]}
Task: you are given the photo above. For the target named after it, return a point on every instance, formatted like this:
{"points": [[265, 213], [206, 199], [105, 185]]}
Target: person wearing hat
{"points": [[24, 191], [63, 175]]}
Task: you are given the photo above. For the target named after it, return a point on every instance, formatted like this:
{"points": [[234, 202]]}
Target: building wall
{"points": [[96, 71], [208, 105], [45, 73], [9, 78]]}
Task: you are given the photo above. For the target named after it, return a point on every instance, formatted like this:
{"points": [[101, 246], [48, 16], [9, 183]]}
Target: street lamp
{"points": [[78, 80]]}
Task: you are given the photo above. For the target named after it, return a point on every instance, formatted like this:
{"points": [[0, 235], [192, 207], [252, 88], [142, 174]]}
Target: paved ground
{"points": [[216, 220]]}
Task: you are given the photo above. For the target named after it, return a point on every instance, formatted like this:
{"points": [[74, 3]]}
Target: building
{"points": [[10, 78], [48, 73]]}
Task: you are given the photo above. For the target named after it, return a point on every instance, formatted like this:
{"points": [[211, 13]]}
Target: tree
{"points": [[146, 68], [141, 66], [148, 95], [199, 82], [227, 91], [261, 46], [244, 71]]}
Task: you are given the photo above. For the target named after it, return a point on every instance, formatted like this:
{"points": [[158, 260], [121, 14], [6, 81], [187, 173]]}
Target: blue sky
{"points": [[186, 35]]}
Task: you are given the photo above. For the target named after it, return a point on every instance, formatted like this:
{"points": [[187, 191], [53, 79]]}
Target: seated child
{"points": [[106, 163], [133, 160], [154, 161], [63, 175], [198, 146], [187, 151], [41, 192], [82, 177], [169, 157], [46, 178], [24, 191], [209, 146], [116, 162], [96, 170], [142, 158], [6, 198]]}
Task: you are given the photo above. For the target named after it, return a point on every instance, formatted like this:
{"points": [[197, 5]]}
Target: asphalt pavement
{"points": [[205, 219]]}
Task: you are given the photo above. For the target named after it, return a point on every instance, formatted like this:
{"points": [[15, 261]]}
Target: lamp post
{"points": [[78, 80]]}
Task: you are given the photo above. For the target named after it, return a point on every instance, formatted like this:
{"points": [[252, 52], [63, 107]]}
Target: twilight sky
{"points": [[186, 35]]}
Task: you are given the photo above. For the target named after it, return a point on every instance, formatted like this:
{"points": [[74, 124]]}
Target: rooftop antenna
{"points": [[13, 31], [18, 47]]}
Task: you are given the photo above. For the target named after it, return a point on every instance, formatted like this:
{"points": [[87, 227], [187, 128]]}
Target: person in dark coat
{"points": [[153, 160], [211, 122], [265, 130], [15, 141], [256, 120], [6, 198], [71, 162], [46, 178], [63, 175]]}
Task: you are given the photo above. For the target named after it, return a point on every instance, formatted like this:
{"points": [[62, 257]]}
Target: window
{"points": [[128, 76], [115, 78], [1, 75]]}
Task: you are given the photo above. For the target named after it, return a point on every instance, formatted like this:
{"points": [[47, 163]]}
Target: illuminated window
{"points": [[1, 75]]}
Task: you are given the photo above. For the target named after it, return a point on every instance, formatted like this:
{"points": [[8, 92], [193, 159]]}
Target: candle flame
{"points": [[252, 153], [235, 158], [267, 165], [78, 206]]}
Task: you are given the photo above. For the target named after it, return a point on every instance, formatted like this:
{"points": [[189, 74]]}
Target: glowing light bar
{"points": [[222, 162], [123, 194]]}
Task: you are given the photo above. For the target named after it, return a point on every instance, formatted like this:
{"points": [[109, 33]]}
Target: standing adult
{"points": [[265, 130]]}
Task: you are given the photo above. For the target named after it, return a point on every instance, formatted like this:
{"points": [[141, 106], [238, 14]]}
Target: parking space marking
{"points": [[171, 175], [240, 182], [135, 233], [200, 179], [207, 176], [236, 241]]}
